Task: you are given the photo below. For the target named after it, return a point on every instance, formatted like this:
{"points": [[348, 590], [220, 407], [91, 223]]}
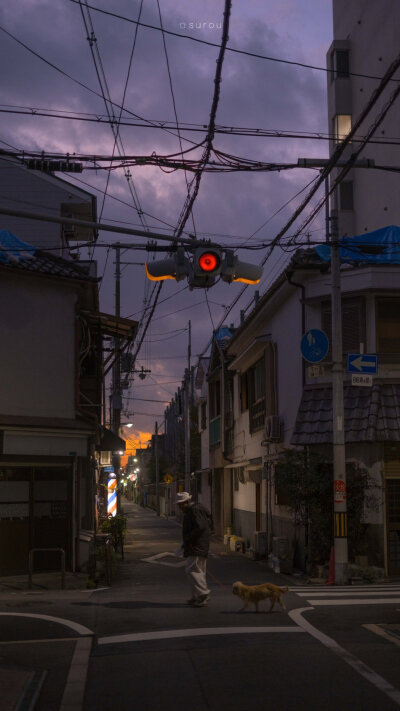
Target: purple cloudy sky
{"points": [[230, 207]]}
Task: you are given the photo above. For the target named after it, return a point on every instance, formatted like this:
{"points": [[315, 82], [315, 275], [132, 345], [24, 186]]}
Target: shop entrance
{"points": [[35, 512]]}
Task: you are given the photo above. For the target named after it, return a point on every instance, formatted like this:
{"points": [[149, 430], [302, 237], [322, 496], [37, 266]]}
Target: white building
{"points": [[365, 43], [280, 401]]}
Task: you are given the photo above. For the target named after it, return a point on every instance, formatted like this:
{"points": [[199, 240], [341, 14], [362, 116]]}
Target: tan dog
{"points": [[256, 593]]}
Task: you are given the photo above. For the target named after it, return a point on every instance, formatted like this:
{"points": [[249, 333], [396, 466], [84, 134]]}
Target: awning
{"points": [[110, 442], [372, 414], [112, 325]]}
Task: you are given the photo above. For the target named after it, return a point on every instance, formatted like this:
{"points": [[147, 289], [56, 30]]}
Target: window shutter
{"points": [[271, 405], [353, 324]]}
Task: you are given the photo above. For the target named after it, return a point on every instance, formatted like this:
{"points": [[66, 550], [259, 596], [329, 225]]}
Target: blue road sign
{"points": [[314, 345], [362, 363]]}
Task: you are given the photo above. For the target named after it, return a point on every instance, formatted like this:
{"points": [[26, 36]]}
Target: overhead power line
{"points": [[229, 49], [331, 164]]}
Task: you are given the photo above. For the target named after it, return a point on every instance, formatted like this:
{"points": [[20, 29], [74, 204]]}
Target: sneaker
{"points": [[191, 601], [201, 601]]}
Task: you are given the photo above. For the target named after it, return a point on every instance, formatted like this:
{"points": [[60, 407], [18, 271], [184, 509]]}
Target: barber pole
{"points": [[112, 496]]}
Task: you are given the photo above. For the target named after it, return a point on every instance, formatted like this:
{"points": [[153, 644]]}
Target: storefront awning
{"points": [[110, 442]]}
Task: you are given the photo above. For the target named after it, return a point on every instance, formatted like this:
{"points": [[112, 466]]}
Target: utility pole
{"points": [[116, 380], [157, 469], [187, 414], [339, 450]]}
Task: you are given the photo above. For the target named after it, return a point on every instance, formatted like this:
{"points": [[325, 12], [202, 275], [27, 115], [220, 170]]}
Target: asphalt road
{"points": [[138, 646]]}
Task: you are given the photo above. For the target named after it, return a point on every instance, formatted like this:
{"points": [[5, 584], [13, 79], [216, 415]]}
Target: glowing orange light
{"points": [[208, 262]]}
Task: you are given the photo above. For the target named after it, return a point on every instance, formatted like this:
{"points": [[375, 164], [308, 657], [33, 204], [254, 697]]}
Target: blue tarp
{"points": [[13, 250], [378, 247]]}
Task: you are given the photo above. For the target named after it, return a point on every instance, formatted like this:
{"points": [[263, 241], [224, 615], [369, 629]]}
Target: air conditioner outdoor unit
{"points": [[272, 431], [105, 458]]}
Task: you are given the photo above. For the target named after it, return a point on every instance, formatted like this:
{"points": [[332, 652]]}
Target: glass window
{"points": [[341, 126], [340, 63]]}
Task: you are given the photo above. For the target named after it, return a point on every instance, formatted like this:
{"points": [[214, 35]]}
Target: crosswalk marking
{"points": [[333, 593], [357, 601], [384, 594]]}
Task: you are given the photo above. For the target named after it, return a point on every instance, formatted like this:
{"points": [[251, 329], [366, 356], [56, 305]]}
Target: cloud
{"points": [[254, 93]]}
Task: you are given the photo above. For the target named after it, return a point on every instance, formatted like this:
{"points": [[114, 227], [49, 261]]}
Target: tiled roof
{"points": [[16, 254], [372, 414]]}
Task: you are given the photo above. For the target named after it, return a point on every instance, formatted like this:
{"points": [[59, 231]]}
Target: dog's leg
{"points": [[272, 604], [245, 606], [256, 606]]}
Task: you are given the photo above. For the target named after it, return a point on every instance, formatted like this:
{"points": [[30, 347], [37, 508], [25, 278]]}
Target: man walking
{"points": [[196, 533]]}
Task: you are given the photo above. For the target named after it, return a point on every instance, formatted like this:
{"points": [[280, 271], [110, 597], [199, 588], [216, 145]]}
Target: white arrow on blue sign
{"points": [[362, 363]]}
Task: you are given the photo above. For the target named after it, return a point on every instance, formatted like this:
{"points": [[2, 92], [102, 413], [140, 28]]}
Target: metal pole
{"points": [[339, 450], [187, 414], [157, 469]]}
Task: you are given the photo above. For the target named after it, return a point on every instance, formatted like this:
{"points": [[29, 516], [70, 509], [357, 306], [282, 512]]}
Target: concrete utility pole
{"points": [[116, 380], [187, 413], [339, 450], [157, 469]]}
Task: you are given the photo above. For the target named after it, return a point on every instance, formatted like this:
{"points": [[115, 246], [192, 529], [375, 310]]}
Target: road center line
{"points": [[378, 681], [196, 632]]}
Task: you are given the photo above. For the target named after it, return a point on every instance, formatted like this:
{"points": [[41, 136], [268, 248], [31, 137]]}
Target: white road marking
{"points": [[196, 632], [80, 629], [358, 601], [157, 559], [39, 641], [332, 593], [377, 629], [324, 589], [378, 681], [76, 682]]}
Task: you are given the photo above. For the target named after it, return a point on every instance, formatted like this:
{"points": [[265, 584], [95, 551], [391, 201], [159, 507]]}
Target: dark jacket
{"points": [[196, 531]]}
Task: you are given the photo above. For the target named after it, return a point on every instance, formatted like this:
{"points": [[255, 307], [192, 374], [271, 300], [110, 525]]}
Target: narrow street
{"points": [[138, 645]]}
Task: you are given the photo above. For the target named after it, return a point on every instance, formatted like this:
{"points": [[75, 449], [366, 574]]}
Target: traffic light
{"points": [[235, 270], [176, 267], [206, 266]]}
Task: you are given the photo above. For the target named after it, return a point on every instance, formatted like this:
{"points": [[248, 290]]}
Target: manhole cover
{"points": [[27, 603]]}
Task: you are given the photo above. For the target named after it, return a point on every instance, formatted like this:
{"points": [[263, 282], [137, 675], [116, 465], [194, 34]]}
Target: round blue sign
{"points": [[314, 345]]}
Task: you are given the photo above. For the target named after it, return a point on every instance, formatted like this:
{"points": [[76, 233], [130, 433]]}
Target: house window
{"points": [[341, 126], [215, 399], [256, 395], [353, 324], [388, 328], [346, 195], [203, 416], [340, 64]]}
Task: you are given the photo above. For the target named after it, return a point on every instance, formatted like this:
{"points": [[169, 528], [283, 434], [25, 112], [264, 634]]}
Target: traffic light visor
{"points": [[158, 271]]}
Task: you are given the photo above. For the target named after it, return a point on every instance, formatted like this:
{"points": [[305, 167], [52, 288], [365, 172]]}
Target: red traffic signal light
{"points": [[209, 261]]}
